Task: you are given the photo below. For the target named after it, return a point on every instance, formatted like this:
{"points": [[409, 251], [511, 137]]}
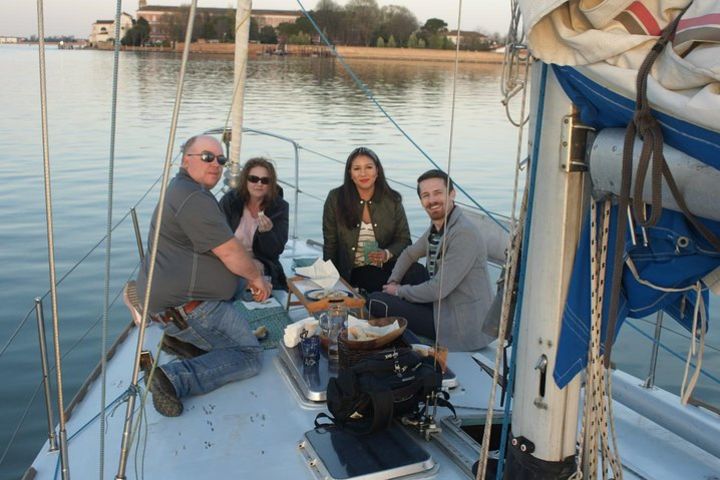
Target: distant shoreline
{"points": [[367, 53]]}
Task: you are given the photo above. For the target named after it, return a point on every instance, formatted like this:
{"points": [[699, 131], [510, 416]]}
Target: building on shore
{"points": [[103, 31], [6, 39], [466, 36], [274, 18], [164, 19]]}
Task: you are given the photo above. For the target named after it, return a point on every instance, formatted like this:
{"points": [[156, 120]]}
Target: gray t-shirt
{"points": [[186, 269]]}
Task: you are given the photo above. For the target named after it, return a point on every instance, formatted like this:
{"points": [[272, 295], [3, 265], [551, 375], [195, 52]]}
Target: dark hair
{"points": [[434, 173], [349, 210], [242, 188]]}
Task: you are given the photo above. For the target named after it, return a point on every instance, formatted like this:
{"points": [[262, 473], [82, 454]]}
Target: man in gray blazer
{"points": [[451, 303]]}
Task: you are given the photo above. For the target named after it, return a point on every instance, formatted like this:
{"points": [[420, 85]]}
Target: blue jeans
{"points": [[233, 351]]}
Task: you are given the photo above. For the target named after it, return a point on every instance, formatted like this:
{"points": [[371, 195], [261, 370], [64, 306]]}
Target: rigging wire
{"points": [[51, 240], [509, 275], [443, 245], [368, 93], [126, 437], [22, 323], [65, 354], [108, 235]]}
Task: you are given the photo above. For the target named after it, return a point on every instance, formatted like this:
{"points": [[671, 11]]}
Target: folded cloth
{"points": [[294, 330], [361, 330], [322, 273], [269, 303]]}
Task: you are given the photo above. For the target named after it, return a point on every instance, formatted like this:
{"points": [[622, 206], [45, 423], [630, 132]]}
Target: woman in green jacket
{"points": [[364, 223]]}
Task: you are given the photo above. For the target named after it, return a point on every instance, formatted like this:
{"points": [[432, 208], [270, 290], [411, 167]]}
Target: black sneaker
{"points": [[180, 349], [165, 400]]}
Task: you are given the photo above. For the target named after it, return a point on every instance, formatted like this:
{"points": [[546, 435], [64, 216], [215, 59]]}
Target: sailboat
{"points": [[553, 407]]}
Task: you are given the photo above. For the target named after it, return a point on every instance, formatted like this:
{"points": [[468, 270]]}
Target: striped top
{"points": [[434, 244], [367, 234]]}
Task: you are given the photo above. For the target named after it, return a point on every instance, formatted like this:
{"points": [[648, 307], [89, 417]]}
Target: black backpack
{"points": [[365, 398]]}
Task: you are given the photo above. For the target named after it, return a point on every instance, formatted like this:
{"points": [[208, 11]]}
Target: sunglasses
{"points": [[256, 179], [208, 157]]}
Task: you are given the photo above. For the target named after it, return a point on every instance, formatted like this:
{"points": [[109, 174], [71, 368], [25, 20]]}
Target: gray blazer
{"points": [[466, 293]]}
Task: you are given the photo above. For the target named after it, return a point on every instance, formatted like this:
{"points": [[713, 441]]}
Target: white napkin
{"points": [[322, 273], [363, 325], [293, 331], [269, 303]]}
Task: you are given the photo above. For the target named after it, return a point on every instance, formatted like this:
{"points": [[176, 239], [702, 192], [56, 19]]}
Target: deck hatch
{"points": [[338, 455]]}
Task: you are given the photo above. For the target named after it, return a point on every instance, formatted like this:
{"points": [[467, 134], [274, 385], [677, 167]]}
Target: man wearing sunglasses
{"points": [[195, 276]]}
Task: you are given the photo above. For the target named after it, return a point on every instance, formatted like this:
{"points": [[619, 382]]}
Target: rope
{"points": [[443, 246], [672, 352], [50, 238], [20, 423], [593, 436], [688, 386], [156, 235], [108, 244], [368, 93], [647, 127], [516, 53], [676, 332], [509, 278]]}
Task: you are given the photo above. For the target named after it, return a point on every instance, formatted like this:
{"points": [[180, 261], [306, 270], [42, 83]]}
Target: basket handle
{"points": [[378, 301]]}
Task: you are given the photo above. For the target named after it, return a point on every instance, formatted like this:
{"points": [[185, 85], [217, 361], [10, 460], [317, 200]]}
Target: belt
{"points": [[178, 315], [190, 306]]}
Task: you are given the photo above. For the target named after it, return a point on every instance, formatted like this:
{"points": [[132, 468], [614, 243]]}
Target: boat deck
{"points": [[253, 428]]}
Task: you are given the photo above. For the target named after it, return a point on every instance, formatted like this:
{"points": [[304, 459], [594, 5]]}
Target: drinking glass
{"points": [[310, 349]]}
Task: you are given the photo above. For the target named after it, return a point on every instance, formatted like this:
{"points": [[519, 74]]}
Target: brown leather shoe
{"points": [[165, 400]]}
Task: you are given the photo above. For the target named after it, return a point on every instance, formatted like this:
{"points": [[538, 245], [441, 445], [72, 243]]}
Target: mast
{"points": [[242, 38], [544, 418]]}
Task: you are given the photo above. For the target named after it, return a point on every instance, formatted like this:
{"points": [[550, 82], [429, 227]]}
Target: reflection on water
{"points": [[311, 100]]}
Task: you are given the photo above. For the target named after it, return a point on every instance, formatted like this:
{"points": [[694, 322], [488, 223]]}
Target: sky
{"points": [[75, 17]]}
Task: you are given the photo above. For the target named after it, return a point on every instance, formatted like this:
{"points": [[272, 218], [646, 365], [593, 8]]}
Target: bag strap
{"points": [[322, 415]]}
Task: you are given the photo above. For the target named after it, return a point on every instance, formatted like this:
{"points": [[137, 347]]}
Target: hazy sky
{"points": [[75, 17]]}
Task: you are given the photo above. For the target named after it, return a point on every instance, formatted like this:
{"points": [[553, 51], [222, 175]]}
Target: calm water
{"points": [[309, 100]]}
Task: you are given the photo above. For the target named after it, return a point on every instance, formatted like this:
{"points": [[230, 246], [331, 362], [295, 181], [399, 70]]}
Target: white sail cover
{"points": [[613, 37]]}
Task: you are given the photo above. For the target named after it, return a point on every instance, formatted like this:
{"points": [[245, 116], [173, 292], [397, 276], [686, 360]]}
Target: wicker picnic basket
{"points": [[351, 351]]}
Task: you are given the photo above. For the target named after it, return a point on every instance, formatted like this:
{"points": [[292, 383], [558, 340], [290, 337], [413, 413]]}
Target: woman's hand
{"points": [[264, 223], [378, 257]]}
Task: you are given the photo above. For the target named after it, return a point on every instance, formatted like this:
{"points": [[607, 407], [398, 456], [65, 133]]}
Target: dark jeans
{"points": [[371, 279], [419, 315]]}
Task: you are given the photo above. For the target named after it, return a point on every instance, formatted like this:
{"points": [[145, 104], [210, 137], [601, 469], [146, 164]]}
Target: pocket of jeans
{"points": [[189, 335]]}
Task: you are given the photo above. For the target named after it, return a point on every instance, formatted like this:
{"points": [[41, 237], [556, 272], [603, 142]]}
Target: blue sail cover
{"points": [[662, 261]]}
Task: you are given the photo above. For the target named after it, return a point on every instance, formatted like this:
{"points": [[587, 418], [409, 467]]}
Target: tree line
{"points": [[358, 23]]}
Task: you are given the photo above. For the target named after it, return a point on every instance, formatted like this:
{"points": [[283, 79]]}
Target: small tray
{"points": [[318, 294]]}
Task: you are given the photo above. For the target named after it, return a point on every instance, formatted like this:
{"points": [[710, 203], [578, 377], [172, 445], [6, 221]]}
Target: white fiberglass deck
{"points": [[251, 429]]}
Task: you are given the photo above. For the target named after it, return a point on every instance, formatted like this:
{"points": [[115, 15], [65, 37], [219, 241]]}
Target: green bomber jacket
{"points": [[389, 224]]}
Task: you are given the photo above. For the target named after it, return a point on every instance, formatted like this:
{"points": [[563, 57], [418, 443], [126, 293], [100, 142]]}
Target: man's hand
{"points": [[391, 288], [260, 288], [264, 223]]}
